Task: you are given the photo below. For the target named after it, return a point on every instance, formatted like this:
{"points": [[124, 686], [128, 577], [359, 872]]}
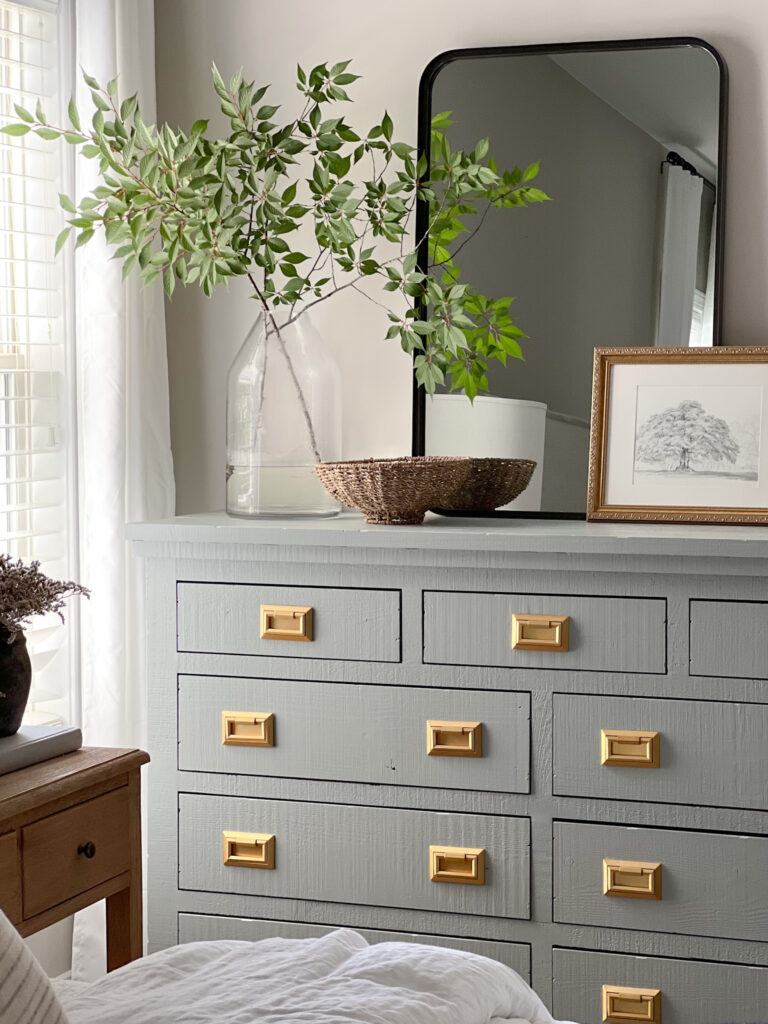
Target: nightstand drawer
{"points": [[611, 634], [395, 735], [707, 883], [74, 850], [10, 877], [729, 638], [289, 622], [368, 855], [208, 927], [689, 990], [709, 752]]}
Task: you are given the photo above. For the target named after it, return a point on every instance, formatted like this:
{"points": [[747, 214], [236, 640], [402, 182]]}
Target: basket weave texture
{"points": [[491, 483], [394, 491]]}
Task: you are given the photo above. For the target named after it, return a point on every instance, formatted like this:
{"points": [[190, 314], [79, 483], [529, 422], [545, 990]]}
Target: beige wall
{"points": [[391, 43]]}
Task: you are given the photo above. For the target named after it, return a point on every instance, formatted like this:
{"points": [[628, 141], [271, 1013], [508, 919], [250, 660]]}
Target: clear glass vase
{"points": [[283, 416]]}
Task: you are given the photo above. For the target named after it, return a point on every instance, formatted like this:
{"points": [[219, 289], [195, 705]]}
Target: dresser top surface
{"points": [[440, 533]]}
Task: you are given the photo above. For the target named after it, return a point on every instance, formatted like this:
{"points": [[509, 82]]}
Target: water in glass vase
{"points": [[283, 416]]}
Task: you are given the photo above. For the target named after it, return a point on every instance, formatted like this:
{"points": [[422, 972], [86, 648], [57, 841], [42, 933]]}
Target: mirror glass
{"points": [[627, 252]]}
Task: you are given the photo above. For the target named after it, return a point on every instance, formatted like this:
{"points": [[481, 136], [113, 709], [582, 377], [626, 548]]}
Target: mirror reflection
{"points": [[626, 253]]}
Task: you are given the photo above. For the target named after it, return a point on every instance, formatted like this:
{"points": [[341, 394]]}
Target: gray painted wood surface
{"points": [[356, 733], [711, 883], [691, 992], [674, 565], [356, 854], [354, 625], [617, 635], [711, 752], [205, 927], [729, 638]]}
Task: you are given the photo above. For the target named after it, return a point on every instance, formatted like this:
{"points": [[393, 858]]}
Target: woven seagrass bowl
{"points": [[490, 484], [394, 491]]}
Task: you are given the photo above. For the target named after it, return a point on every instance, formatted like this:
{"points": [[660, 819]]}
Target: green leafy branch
{"points": [[191, 209]]}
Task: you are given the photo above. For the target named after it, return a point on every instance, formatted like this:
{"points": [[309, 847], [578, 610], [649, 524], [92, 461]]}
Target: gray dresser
{"points": [[544, 742]]}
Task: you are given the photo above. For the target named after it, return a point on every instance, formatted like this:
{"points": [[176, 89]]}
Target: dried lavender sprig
{"points": [[25, 592]]}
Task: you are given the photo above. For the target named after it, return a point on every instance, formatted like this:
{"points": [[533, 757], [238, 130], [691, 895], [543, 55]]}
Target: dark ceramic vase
{"points": [[15, 681]]}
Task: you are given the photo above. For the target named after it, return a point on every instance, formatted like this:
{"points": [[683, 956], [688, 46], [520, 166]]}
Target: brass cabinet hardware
{"points": [[248, 850], [454, 739], [286, 622], [630, 748], [631, 1005], [633, 879], [459, 864], [540, 632], [247, 729]]}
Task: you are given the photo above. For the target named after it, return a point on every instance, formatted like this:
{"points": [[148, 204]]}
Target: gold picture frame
{"points": [[624, 384]]}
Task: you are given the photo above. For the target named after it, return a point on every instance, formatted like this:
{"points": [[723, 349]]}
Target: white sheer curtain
{"points": [[124, 459], [681, 210]]}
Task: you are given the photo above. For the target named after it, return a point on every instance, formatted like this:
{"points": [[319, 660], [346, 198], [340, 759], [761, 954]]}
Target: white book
{"points": [[35, 743]]}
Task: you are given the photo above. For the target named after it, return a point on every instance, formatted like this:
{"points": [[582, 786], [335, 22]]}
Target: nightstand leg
{"points": [[125, 938]]}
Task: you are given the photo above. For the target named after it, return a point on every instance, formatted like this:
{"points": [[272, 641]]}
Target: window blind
{"points": [[36, 379]]}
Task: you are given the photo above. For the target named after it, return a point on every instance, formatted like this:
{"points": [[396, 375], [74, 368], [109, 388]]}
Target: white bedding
{"points": [[336, 979]]}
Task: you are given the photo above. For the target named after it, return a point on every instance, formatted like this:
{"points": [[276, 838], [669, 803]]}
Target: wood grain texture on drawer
{"points": [[58, 861], [611, 634], [710, 752], [712, 883], [692, 991], [10, 877], [367, 855], [353, 733], [729, 638], [347, 624], [207, 927]]}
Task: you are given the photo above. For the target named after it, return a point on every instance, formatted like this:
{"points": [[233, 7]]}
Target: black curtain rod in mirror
{"points": [[675, 160]]}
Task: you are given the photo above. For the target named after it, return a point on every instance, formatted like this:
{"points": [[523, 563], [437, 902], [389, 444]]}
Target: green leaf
{"points": [[19, 129], [74, 117], [39, 113], [66, 203], [90, 81], [84, 237], [73, 139], [199, 126], [264, 113], [290, 193], [61, 239], [112, 87], [387, 127], [23, 113], [531, 171]]}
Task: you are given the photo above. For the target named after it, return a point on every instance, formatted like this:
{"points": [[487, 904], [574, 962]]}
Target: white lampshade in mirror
{"points": [[499, 428]]}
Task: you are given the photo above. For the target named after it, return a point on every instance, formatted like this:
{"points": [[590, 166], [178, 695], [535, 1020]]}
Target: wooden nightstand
{"points": [[70, 834]]}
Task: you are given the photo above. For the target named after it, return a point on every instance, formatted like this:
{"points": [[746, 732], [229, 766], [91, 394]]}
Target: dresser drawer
{"points": [[350, 733], [52, 868], [344, 624], [609, 634], [709, 752], [710, 883], [367, 855], [729, 638], [10, 877], [691, 991], [206, 927]]}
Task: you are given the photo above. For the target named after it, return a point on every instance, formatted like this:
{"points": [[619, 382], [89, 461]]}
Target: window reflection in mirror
{"points": [[626, 253]]}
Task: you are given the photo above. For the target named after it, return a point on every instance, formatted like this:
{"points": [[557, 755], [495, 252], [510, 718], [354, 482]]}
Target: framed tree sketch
{"points": [[679, 435]]}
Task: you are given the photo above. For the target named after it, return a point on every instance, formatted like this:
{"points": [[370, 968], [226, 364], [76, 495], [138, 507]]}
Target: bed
{"points": [[336, 979]]}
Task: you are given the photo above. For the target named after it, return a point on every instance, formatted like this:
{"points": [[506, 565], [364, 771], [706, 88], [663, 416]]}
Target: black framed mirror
{"points": [[630, 136]]}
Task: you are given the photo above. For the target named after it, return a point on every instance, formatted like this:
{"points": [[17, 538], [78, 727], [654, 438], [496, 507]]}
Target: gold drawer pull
{"points": [[631, 1005], [632, 878], [629, 748], [248, 850], [457, 864], [247, 729], [455, 739], [540, 632], [286, 622]]}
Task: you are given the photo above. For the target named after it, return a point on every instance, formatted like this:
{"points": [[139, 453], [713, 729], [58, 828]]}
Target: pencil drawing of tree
{"points": [[683, 435]]}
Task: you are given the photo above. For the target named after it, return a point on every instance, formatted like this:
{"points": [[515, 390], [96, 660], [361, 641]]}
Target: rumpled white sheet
{"points": [[335, 979]]}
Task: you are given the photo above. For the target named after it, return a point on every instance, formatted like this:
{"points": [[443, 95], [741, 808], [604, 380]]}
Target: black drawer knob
{"points": [[87, 849]]}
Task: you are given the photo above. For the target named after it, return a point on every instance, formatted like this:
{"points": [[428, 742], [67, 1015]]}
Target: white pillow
{"points": [[26, 993]]}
